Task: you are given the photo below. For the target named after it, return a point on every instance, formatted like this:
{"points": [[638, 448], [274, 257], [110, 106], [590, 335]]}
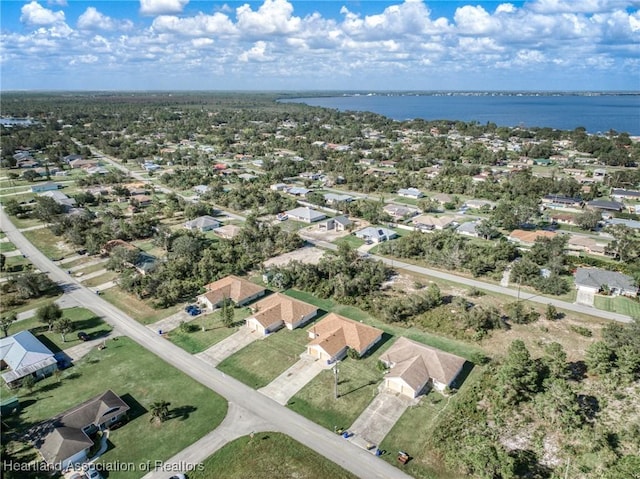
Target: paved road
{"points": [[324, 442], [536, 298]]}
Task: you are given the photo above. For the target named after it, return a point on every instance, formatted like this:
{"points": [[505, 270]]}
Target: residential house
{"points": [[46, 186], [151, 166], [560, 201], [563, 219], [477, 204], [65, 440], [469, 229], [111, 244], [334, 335], [60, 198], [414, 367], [69, 158], [595, 280], [201, 189], [620, 194], [298, 191], [305, 214], [332, 198], [605, 205], [442, 198], [528, 238], [96, 170], [413, 193], [400, 211], [80, 163], [430, 222], [586, 244], [24, 355], [278, 187], [278, 310], [238, 290], [338, 223], [633, 224], [376, 234], [202, 223]]}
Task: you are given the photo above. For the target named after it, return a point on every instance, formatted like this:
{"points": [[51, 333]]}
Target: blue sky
{"points": [[320, 45]]}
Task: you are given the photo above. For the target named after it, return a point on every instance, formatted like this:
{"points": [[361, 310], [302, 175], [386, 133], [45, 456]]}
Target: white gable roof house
{"points": [[24, 355], [306, 215], [376, 234], [411, 193], [202, 223]]}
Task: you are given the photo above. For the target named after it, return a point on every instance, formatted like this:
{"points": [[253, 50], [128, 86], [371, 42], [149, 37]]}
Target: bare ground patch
{"points": [[307, 255]]}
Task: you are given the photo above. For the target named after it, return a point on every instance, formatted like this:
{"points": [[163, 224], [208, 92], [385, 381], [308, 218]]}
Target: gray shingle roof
{"points": [[596, 278]]}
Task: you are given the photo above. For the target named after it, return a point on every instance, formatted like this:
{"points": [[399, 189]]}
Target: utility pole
{"points": [[335, 375]]}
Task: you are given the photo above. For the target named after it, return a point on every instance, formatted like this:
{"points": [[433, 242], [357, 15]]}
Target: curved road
{"points": [[352, 458]]}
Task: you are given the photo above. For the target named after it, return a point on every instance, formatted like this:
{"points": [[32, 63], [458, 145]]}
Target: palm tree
{"points": [[160, 411]]}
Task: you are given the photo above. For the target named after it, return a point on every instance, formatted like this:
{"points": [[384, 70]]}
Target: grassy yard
{"points": [[31, 304], [351, 240], [51, 245], [618, 304], [449, 345], [358, 384], [83, 320], [103, 278], [141, 379], [15, 264], [262, 361], [405, 436], [197, 340], [91, 268], [139, 310], [267, 455], [5, 247]]}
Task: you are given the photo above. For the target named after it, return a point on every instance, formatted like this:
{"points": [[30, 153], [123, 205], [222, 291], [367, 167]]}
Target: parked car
{"points": [[82, 336], [195, 311]]}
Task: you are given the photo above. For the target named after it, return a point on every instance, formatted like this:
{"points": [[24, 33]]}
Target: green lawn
{"points": [[263, 360], [452, 346], [351, 240], [98, 280], [197, 340], [618, 304], [140, 378], [405, 436], [139, 310], [51, 245], [32, 304], [358, 385], [78, 262], [90, 269], [15, 264], [268, 455], [83, 320], [6, 246]]}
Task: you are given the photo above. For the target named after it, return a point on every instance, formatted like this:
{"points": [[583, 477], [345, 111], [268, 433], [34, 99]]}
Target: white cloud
{"points": [[92, 19], [272, 17], [475, 20], [161, 7], [59, 3], [257, 53], [36, 15], [199, 25], [83, 59], [577, 6]]}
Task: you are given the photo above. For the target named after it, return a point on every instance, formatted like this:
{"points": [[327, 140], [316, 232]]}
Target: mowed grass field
{"points": [[141, 379], [268, 455], [263, 360], [618, 304], [140, 310]]}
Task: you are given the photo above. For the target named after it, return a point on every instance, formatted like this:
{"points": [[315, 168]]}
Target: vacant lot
{"points": [[264, 360], [194, 339], [141, 378], [358, 381], [83, 320], [269, 455], [141, 311], [51, 245], [618, 304], [308, 255]]}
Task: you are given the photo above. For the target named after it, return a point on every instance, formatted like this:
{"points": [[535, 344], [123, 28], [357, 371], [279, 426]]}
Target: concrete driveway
{"points": [[225, 348], [585, 297], [376, 421], [285, 386]]}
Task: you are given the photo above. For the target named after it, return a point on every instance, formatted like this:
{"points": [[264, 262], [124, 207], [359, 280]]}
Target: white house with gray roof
{"points": [[306, 215], [595, 280], [414, 193], [202, 223], [22, 354], [377, 234]]}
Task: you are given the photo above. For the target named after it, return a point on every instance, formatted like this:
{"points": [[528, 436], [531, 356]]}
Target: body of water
{"points": [[6, 121], [596, 113]]}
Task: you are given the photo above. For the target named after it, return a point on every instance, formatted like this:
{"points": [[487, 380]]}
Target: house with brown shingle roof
{"points": [[65, 439], [278, 310], [238, 290], [415, 367], [334, 335], [528, 238]]}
